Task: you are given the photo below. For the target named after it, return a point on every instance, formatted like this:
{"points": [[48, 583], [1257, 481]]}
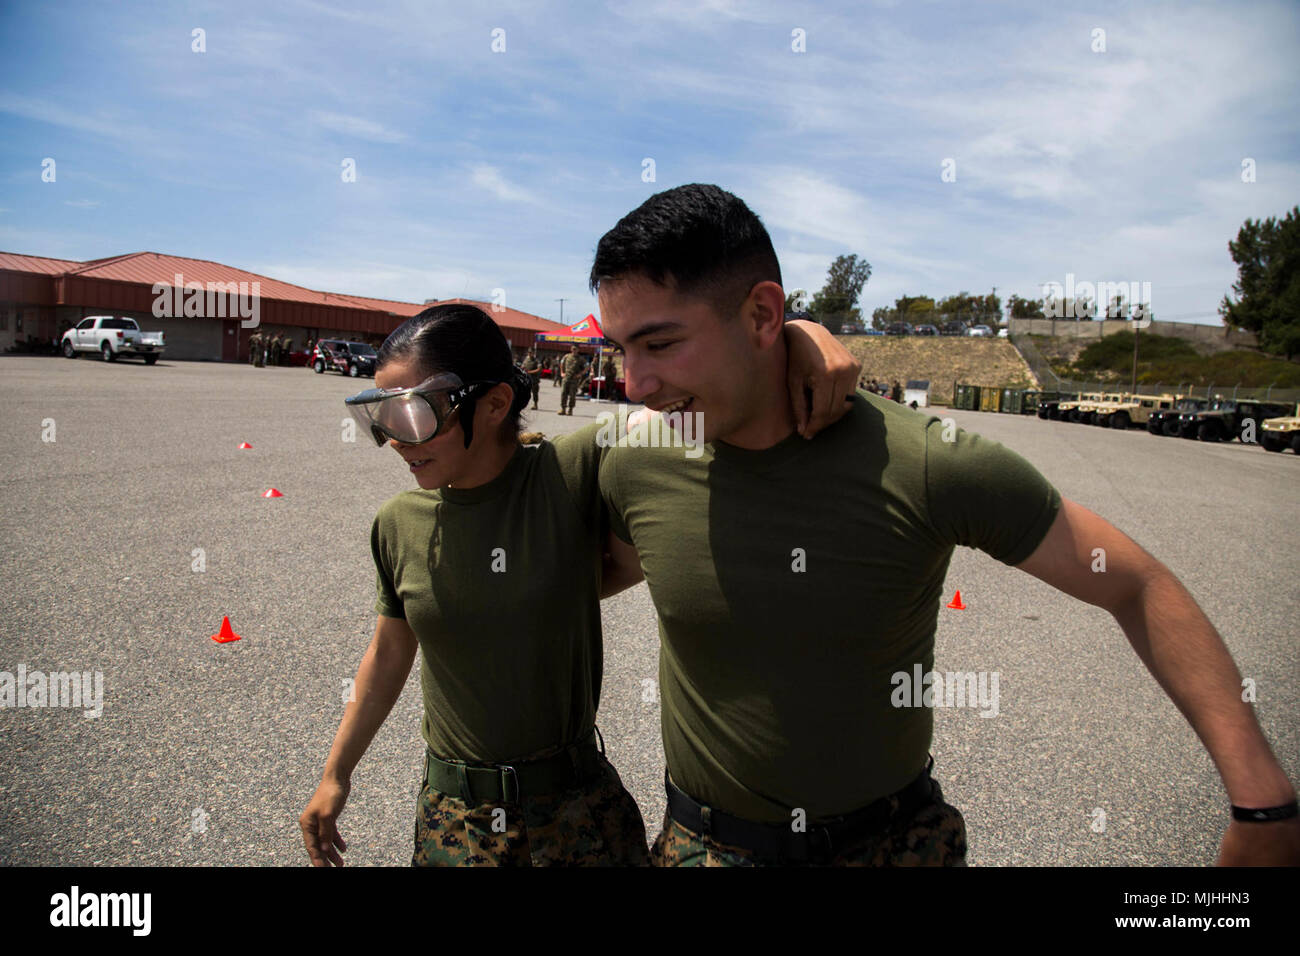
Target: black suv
{"points": [[898, 328], [349, 358]]}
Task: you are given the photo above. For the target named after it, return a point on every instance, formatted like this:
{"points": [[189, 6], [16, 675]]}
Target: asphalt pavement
{"points": [[128, 536]]}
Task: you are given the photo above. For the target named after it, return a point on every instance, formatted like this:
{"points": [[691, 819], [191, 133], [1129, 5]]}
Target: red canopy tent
{"points": [[584, 332]]}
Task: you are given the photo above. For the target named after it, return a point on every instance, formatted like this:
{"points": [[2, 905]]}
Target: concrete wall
{"points": [[1214, 336]]}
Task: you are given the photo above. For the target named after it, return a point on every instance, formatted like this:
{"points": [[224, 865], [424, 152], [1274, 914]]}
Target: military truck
{"points": [[1070, 410], [1164, 421], [1088, 412], [1067, 406], [1133, 410], [1049, 403], [1226, 419], [1277, 434]]}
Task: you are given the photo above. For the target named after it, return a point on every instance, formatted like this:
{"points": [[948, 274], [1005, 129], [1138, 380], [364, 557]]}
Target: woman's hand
{"points": [[821, 375]]}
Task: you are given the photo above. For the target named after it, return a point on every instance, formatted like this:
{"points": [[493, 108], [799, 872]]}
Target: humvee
{"points": [[1089, 412], [1277, 434], [1049, 403], [1164, 421], [1069, 410], [1133, 410], [1227, 419]]}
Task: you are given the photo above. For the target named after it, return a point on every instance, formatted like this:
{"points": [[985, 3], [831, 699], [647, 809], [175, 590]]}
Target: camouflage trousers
{"points": [[569, 392], [597, 825], [935, 835]]}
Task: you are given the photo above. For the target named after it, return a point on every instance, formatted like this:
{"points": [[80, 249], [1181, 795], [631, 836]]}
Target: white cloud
{"points": [[357, 127], [490, 178]]}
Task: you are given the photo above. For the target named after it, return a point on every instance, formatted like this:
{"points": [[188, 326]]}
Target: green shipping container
{"points": [[1011, 400]]}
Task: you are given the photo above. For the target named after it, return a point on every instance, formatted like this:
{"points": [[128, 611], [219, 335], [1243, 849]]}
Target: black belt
{"points": [[504, 783], [778, 843]]}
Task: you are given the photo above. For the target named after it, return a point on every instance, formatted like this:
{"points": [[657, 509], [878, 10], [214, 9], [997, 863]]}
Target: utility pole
{"points": [[1133, 387], [561, 301]]}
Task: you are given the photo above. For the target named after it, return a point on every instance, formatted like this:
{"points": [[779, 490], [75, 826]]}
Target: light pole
{"points": [[1133, 387]]}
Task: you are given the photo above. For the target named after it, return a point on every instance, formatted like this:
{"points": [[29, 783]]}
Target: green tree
{"points": [[964, 306], [836, 300], [1026, 308], [1267, 253], [904, 304]]}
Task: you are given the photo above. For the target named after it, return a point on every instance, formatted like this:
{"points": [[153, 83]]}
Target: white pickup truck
{"points": [[111, 336]]}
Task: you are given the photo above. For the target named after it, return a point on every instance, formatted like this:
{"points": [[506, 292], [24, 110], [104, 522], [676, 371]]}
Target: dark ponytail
{"points": [[461, 339]]}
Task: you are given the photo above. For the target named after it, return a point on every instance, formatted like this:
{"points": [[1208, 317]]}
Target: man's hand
{"points": [[1261, 844], [1187, 657], [818, 364], [319, 830]]}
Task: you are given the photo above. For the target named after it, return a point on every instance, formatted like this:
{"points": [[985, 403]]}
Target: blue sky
{"points": [[478, 170]]}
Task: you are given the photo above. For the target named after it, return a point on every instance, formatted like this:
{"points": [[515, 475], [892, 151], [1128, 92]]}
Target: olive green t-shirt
{"points": [[501, 584], [791, 583]]}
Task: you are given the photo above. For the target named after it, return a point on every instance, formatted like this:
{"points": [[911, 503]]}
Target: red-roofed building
{"points": [[207, 310]]}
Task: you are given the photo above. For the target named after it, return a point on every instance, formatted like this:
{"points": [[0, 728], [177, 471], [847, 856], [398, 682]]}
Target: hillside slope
{"points": [[942, 360]]}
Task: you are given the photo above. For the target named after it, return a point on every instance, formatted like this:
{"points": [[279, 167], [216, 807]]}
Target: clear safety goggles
{"points": [[411, 415]]}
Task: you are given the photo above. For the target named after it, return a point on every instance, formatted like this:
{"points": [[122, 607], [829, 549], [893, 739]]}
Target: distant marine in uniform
{"points": [[534, 370], [571, 367], [254, 343]]}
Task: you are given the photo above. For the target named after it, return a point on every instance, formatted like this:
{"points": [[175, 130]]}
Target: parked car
{"points": [[112, 336], [873, 332], [898, 328], [954, 327], [347, 358], [925, 330], [980, 331]]}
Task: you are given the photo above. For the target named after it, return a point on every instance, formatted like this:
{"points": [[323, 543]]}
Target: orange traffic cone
{"points": [[956, 604], [227, 633], [244, 444], [272, 493]]}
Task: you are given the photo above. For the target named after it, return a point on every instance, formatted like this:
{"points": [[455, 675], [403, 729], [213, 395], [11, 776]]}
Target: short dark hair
{"points": [[697, 239], [462, 339]]}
